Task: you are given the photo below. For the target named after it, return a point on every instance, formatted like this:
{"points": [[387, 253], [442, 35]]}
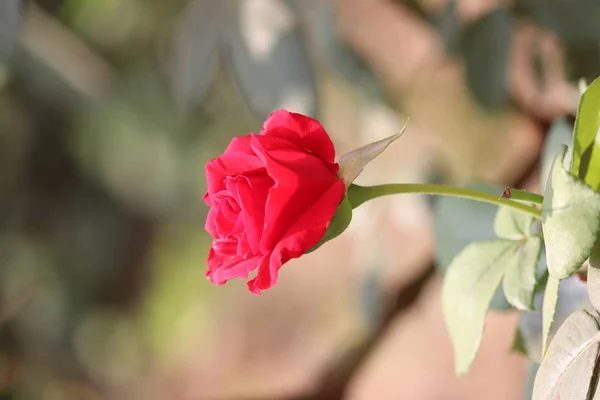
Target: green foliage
{"points": [[473, 278], [571, 226], [559, 137], [459, 223], [476, 273], [510, 224], [520, 280], [469, 286], [586, 149], [549, 309], [571, 229], [570, 221]]}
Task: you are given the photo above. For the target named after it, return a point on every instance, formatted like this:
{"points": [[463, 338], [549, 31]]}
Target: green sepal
{"points": [[340, 221]]}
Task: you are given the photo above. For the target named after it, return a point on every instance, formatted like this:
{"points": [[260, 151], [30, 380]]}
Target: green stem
{"points": [[522, 195], [360, 194]]}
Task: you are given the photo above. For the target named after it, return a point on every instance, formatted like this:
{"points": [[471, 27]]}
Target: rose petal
{"points": [[229, 164], [305, 232], [244, 249], [220, 271], [251, 193], [300, 179], [305, 132], [240, 144], [217, 224]]}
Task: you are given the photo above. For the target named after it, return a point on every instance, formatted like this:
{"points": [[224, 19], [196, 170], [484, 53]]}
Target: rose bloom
{"points": [[271, 197]]}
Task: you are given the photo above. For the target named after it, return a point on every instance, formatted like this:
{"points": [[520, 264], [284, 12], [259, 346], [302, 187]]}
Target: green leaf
{"points": [[457, 224], [559, 136], [567, 371], [519, 282], [511, 224], [570, 221], [586, 149], [339, 223], [548, 309], [353, 162], [468, 288], [572, 295]]}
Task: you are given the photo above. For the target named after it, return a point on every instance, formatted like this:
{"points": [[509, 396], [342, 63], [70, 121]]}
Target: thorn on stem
{"points": [[506, 194]]}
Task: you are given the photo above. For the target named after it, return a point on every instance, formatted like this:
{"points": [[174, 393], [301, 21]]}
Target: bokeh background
{"points": [[109, 110]]}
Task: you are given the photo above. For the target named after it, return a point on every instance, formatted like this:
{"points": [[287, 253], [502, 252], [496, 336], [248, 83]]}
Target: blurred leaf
{"points": [[467, 291], [353, 162], [449, 26], [486, 47], [458, 223], [559, 136], [570, 220], [10, 23], [568, 368], [267, 56], [195, 48], [340, 56], [574, 21], [134, 143], [511, 224], [113, 25], [583, 60], [131, 156], [586, 149], [549, 308]]}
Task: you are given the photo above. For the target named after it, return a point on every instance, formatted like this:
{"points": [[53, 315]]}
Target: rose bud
{"points": [[273, 197]]}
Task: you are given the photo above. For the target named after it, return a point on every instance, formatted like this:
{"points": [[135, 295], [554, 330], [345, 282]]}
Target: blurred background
{"points": [[109, 111]]}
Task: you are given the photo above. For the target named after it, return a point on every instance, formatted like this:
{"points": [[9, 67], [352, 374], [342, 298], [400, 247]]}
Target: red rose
{"points": [[271, 197]]}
